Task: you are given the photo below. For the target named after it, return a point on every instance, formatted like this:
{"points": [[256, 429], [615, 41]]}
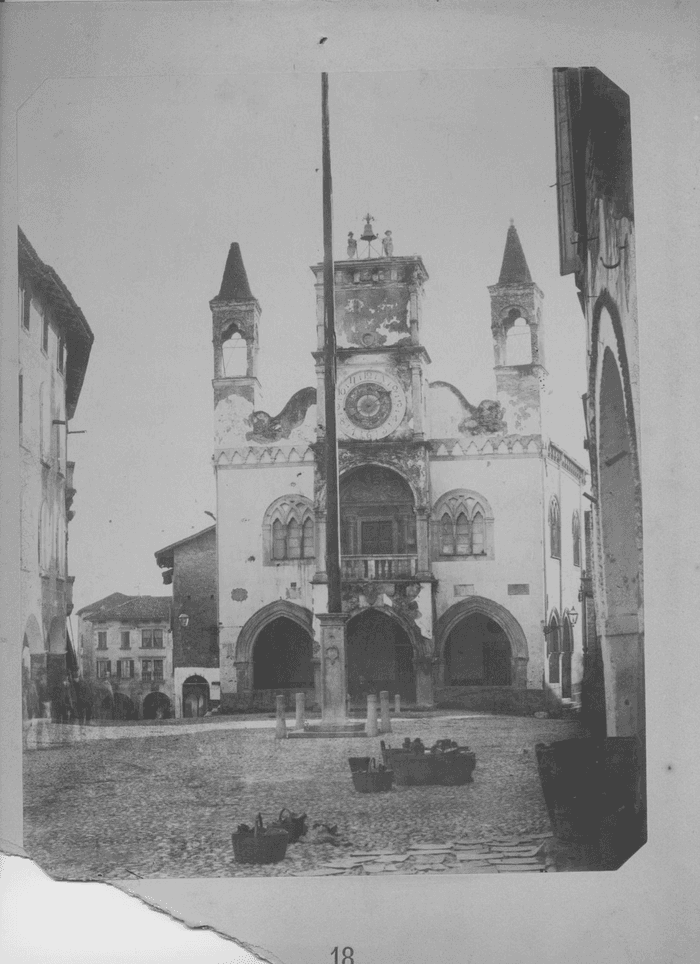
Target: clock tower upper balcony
{"points": [[378, 299]]}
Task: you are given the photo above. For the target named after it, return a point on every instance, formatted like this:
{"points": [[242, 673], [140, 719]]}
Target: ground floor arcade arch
{"points": [[156, 706], [282, 656], [380, 656], [480, 643], [477, 653]]}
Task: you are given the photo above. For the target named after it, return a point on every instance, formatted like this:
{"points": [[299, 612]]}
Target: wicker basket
{"points": [[359, 763], [293, 823], [372, 780], [455, 768], [260, 846], [414, 770]]}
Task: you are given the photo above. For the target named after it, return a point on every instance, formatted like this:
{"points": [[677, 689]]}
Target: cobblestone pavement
{"points": [[166, 807]]}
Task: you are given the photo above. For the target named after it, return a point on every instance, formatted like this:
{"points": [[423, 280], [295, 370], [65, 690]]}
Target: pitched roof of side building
{"points": [[121, 608]]}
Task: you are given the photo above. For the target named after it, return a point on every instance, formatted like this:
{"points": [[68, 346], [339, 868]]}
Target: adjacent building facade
{"points": [[55, 341], [597, 245], [190, 567], [461, 535], [127, 653]]}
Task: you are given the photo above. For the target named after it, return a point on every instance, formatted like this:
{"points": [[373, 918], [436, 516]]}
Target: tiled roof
{"points": [[118, 607], [514, 269], [234, 284], [109, 602], [167, 550]]}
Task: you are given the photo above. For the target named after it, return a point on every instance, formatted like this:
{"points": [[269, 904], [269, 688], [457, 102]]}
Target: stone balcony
{"points": [[378, 567]]}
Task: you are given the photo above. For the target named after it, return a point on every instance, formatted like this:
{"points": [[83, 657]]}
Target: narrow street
{"points": [[166, 806]]}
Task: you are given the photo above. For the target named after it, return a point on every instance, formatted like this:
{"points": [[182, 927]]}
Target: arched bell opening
{"points": [[282, 656], [379, 657], [234, 354], [478, 653]]}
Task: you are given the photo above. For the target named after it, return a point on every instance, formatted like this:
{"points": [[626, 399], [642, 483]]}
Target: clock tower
{"points": [[380, 382]]}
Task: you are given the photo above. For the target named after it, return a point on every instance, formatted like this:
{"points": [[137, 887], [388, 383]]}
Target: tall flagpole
{"points": [[331, 447]]}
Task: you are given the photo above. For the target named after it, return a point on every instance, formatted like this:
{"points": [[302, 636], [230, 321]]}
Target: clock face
{"points": [[371, 405]]}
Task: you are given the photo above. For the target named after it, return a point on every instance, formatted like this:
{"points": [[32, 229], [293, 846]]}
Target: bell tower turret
{"points": [[518, 340], [235, 320]]}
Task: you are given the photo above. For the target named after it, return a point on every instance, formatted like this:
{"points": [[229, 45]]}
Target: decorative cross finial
{"points": [[512, 221]]}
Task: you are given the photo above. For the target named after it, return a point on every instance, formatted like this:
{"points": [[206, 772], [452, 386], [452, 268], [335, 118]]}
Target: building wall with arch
{"points": [[597, 238], [246, 582], [512, 487]]}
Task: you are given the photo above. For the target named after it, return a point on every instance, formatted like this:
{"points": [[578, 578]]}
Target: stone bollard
{"points": [[281, 725], [384, 711], [371, 726], [301, 707], [397, 705]]}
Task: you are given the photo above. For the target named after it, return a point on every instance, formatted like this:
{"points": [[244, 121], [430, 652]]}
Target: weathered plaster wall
{"points": [[519, 389]]}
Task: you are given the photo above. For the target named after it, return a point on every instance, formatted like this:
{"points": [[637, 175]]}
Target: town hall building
{"points": [[461, 543]]}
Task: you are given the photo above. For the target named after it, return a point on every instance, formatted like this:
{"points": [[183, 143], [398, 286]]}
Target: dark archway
{"points": [[195, 696], [379, 656], [477, 653], [282, 655], [156, 706], [124, 708], [511, 628]]}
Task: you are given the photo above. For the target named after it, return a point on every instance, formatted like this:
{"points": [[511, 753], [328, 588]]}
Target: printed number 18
{"points": [[346, 958]]}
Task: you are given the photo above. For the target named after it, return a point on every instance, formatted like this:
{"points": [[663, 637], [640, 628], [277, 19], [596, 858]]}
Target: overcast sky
{"points": [[134, 190]]}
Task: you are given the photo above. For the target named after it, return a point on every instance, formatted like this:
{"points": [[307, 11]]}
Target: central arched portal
{"points": [[477, 653], [379, 657], [282, 656]]}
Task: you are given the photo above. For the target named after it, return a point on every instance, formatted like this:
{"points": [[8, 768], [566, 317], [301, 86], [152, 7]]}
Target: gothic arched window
{"points": [[462, 526], [576, 536], [307, 539], [288, 531], [554, 528]]}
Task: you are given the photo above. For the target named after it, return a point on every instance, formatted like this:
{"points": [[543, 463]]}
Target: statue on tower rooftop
{"points": [[352, 245], [387, 244]]}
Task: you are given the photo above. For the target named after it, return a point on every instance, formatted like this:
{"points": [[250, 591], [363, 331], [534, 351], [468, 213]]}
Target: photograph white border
{"points": [[647, 910]]}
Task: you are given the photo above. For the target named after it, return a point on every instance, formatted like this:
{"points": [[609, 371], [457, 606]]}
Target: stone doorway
{"points": [[195, 696], [379, 657]]}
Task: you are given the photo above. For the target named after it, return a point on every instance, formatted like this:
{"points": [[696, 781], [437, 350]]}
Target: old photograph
{"points": [[329, 441]]}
